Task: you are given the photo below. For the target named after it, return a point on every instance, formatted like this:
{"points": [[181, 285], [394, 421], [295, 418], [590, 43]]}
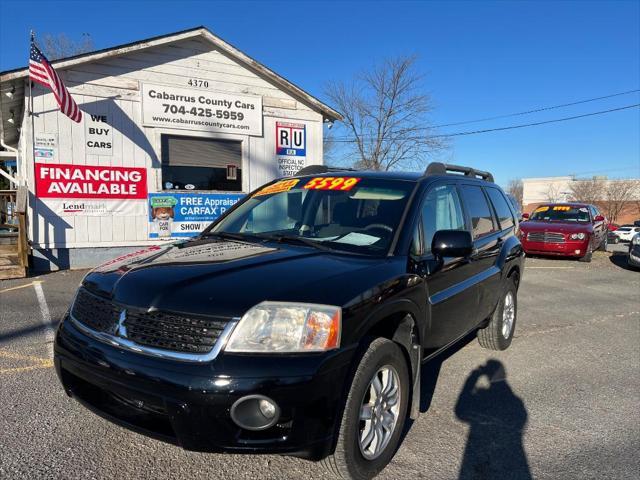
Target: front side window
{"points": [[505, 217], [358, 215], [441, 210], [479, 211], [191, 163]]}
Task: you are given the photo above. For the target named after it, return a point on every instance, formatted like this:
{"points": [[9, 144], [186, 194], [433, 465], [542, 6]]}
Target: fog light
{"points": [[255, 412], [267, 408], [577, 252]]}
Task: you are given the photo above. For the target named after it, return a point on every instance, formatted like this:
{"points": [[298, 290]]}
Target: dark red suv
{"points": [[564, 229]]}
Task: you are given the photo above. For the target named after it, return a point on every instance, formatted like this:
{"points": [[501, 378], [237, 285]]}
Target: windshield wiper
{"points": [[231, 236], [298, 240]]}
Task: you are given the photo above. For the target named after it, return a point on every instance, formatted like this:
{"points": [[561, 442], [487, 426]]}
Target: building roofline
{"points": [[201, 31]]}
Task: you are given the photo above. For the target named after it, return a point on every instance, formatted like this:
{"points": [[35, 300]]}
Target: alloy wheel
{"points": [[379, 412], [508, 314]]}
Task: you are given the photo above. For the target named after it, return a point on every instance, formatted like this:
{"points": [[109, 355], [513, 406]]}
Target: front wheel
{"points": [[374, 414]]}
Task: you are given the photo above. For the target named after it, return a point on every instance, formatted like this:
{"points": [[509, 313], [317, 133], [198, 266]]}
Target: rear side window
{"points": [[479, 211], [505, 217]]}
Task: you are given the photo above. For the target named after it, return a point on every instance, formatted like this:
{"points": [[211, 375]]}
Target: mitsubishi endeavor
{"points": [[298, 321]]}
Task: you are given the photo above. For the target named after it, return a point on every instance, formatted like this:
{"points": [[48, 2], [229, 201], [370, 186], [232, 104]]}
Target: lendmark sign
{"points": [[80, 181]]}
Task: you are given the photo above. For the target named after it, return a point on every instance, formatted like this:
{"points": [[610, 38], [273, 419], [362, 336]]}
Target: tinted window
{"points": [[479, 211], [441, 210], [502, 208]]}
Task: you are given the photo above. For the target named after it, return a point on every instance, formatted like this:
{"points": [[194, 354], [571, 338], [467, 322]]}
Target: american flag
{"points": [[41, 71]]}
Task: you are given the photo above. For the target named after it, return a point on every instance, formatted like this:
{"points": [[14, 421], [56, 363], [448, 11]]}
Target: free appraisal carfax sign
{"points": [[90, 182]]}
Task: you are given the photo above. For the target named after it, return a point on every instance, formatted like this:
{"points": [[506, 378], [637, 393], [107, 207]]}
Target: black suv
{"points": [[297, 323]]}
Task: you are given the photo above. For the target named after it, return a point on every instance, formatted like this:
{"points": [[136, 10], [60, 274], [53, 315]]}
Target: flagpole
{"points": [[33, 127]]}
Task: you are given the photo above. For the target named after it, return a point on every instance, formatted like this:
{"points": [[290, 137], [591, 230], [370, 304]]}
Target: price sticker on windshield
{"points": [[561, 208], [332, 183], [281, 186], [541, 209]]}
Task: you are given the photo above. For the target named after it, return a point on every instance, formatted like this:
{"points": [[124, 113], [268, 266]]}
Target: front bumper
{"points": [[189, 404], [567, 249]]}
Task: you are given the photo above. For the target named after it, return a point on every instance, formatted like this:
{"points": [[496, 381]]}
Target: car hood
{"points": [[224, 277], [564, 227]]}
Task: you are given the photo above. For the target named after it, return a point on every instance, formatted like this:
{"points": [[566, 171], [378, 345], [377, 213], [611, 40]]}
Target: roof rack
{"points": [[315, 169], [438, 168]]}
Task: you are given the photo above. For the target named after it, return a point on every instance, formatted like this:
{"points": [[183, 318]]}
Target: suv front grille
{"points": [[545, 237], [157, 329]]}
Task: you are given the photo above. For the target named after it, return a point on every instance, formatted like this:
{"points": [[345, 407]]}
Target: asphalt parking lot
{"points": [[562, 402]]}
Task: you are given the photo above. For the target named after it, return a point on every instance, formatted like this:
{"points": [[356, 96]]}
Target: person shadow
{"points": [[497, 419]]}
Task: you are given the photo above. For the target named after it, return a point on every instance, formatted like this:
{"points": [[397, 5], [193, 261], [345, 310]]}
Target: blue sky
{"points": [[480, 59]]}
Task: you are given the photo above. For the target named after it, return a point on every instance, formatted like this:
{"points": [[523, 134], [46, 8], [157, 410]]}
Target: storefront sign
{"points": [[291, 147], [90, 182], [186, 214], [45, 147], [191, 109], [98, 135], [96, 208]]}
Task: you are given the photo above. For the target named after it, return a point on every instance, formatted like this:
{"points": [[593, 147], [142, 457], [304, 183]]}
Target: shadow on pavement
{"points": [[619, 259], [7, 337], [497, 419]]}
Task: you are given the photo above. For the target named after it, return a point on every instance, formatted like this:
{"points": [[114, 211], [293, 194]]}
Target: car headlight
{"points": [[283, 327], [577, 236], [636, 240]]}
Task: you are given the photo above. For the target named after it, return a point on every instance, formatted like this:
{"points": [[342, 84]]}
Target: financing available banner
{"points": [[186, 214]]}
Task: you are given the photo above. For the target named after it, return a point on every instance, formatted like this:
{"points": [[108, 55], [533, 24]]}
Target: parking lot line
{"points": [[35, 362], [45, 315], [551, 268], [16, 288]]}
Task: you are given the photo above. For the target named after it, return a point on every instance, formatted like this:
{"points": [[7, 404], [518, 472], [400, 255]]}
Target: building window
{"points": [[191, 163]]}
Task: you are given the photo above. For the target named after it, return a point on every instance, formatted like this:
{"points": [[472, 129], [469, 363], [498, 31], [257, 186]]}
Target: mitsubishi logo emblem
{"points": [[120, 329]]}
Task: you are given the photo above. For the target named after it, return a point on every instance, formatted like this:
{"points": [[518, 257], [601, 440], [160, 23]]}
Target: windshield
{"points": [[561, 213], [331, 213]]}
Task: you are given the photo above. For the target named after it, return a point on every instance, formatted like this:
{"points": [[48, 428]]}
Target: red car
{"points": [[564, 229]]}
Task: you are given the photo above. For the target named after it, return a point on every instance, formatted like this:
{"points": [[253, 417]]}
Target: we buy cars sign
{"points": [[90, 182]]}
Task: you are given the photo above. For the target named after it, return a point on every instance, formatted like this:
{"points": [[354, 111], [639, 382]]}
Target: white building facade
{"points": [[175, 130]]}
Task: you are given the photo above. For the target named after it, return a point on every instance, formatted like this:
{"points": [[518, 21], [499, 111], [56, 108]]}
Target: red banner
{"points": [[80, 181]]}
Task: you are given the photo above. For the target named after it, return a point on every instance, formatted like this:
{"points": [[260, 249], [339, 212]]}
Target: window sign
{"points": [[232, 172], [174, 215]]}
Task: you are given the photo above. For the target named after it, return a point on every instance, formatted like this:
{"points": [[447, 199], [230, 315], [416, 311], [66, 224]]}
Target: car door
{"points": [[599, 227], [451, 300], [487, 242]]}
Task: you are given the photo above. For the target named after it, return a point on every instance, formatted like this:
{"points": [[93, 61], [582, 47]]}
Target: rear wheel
{"points": [[374, 413], [499, 333]]}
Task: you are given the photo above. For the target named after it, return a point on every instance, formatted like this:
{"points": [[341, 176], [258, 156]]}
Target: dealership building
{"points": [[175, 129]]}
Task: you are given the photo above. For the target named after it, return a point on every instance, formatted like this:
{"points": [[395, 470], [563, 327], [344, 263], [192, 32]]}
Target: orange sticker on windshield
{"points": [[562, 208], [541, 209], [332, 183], [281, 186]]}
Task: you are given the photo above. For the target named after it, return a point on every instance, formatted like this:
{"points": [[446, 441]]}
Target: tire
{"points": [[587, 257], [349, 460], [499, 333], [603, 244]]}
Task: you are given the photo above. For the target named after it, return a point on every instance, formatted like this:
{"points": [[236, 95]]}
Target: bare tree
{"points": [[516, 189], [385, 116], [588, 191], [620, 193], [61, 46], [553, 193]]}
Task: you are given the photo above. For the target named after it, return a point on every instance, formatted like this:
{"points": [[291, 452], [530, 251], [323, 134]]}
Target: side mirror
{"points": [[452, 243], [525, 216], [598, 218]]}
